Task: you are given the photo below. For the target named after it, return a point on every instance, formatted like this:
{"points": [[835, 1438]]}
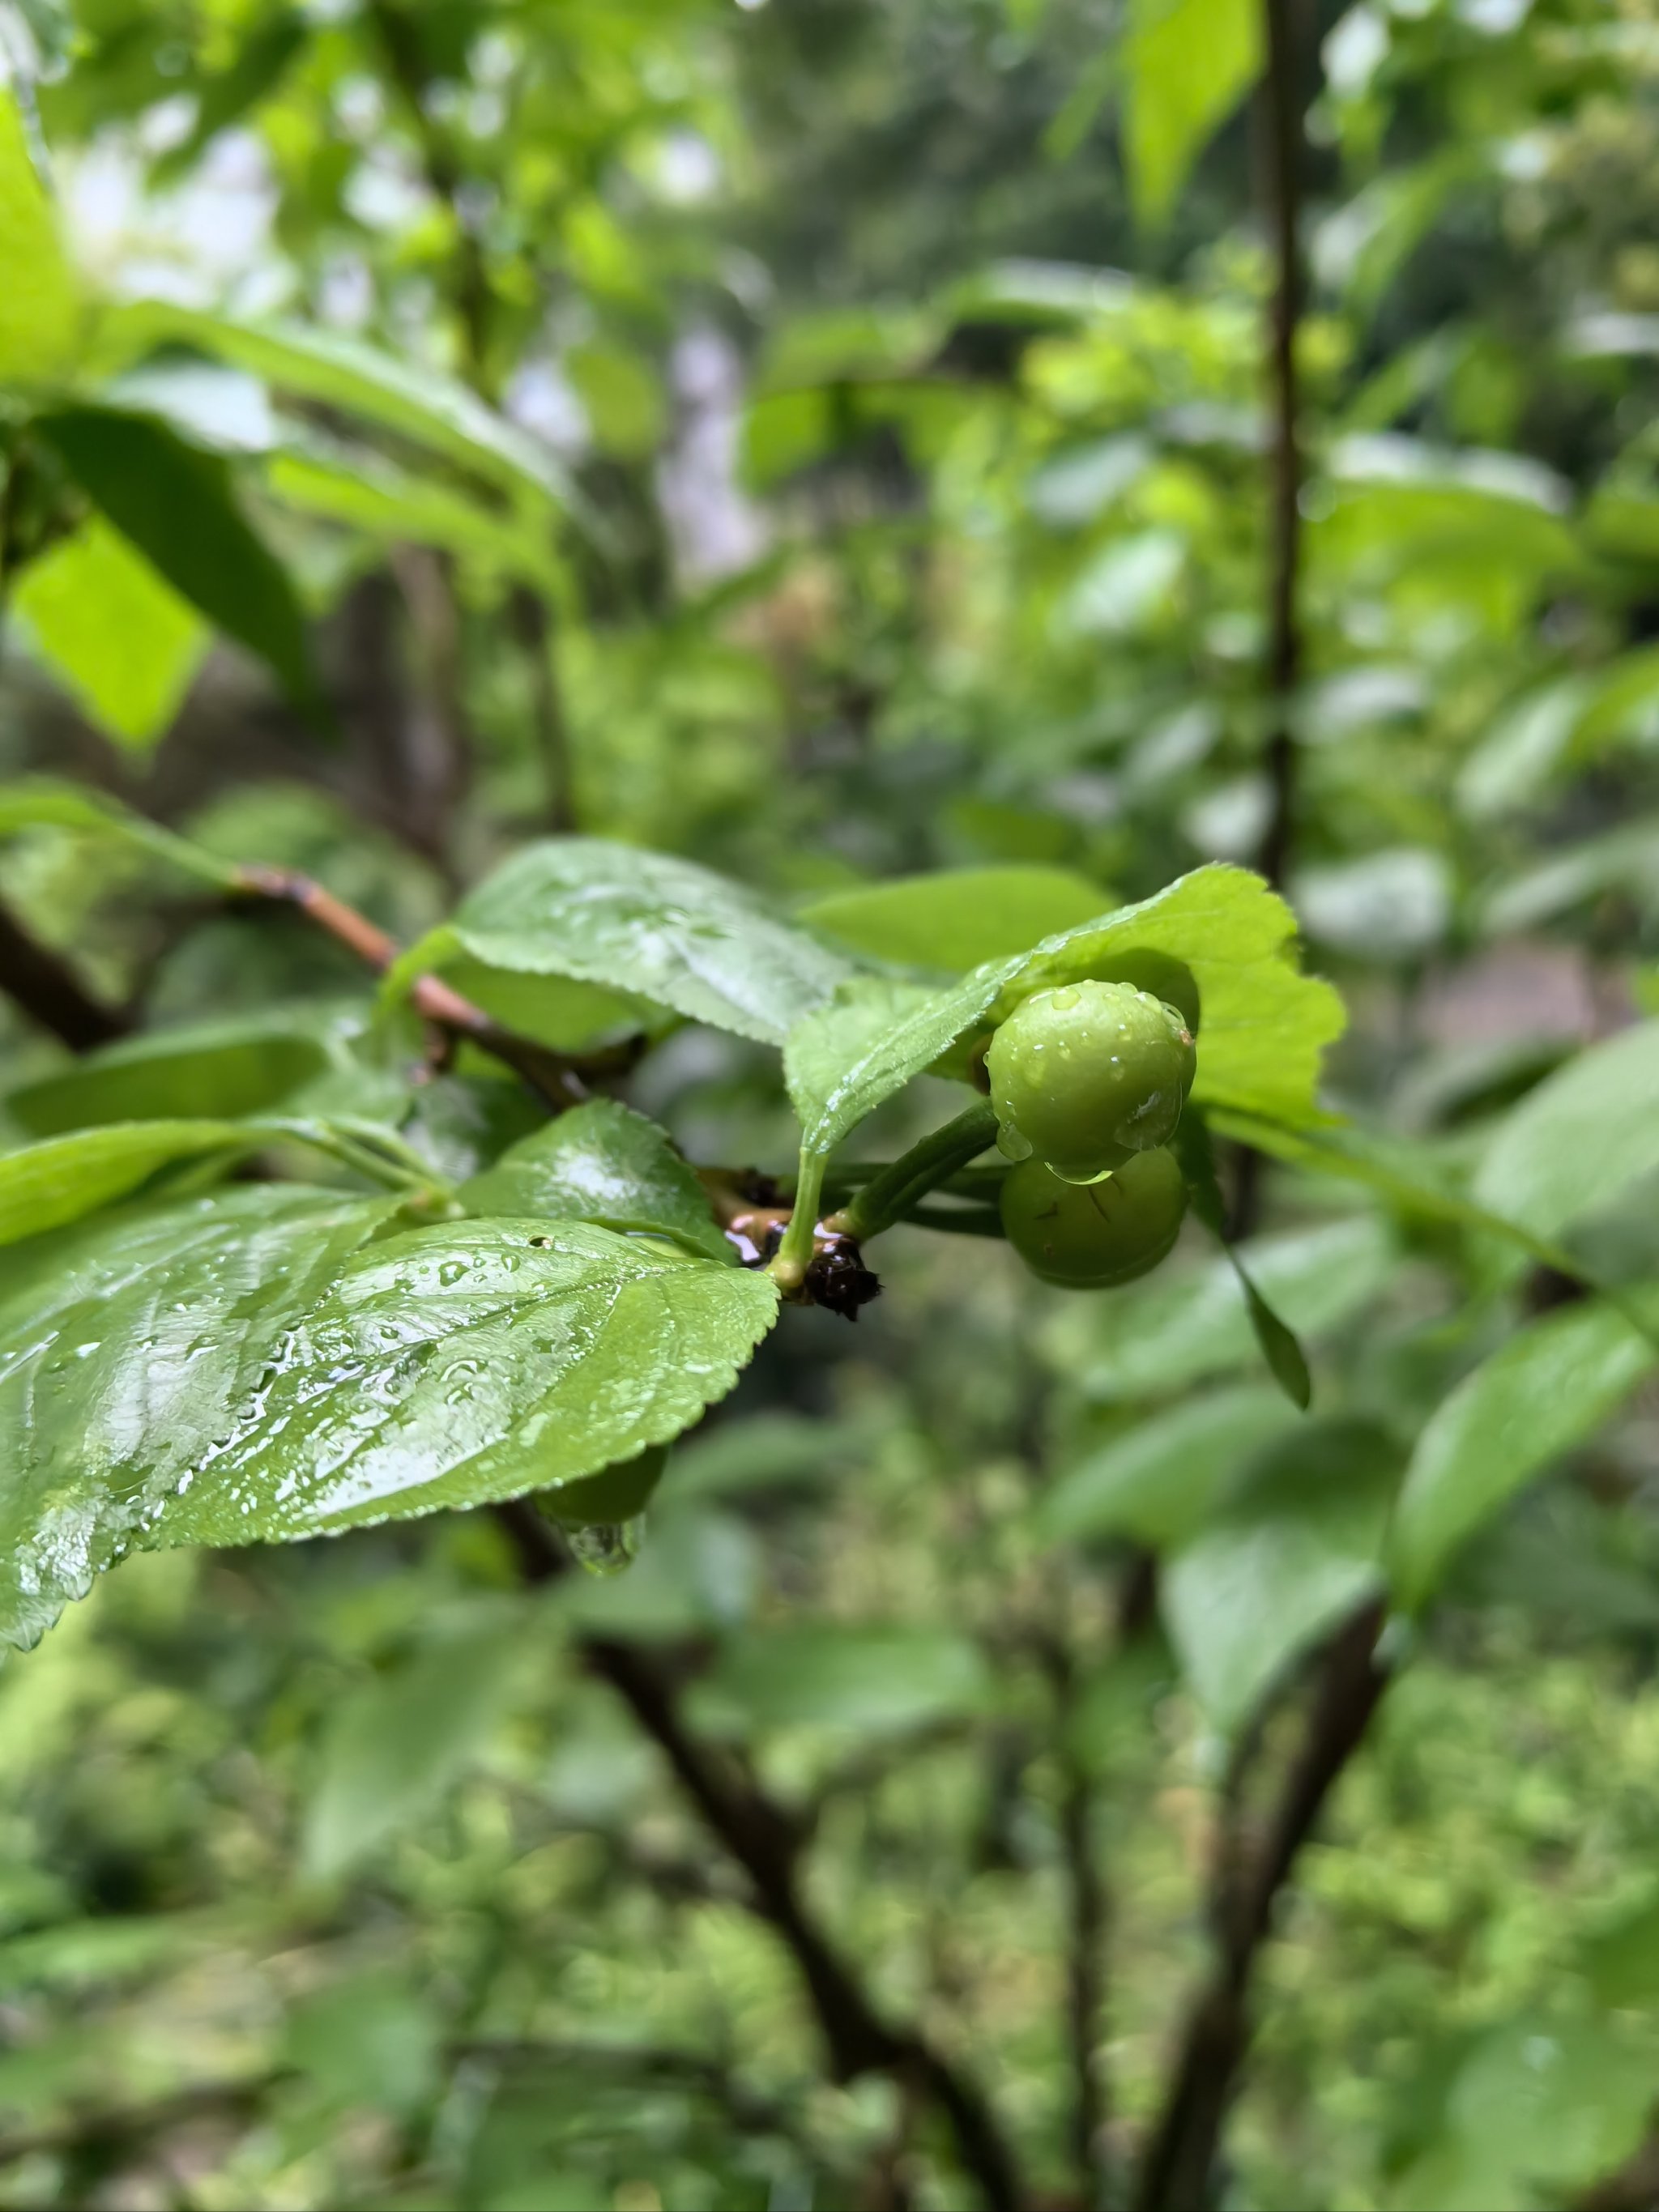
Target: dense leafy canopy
{"points": [[596, 594]]}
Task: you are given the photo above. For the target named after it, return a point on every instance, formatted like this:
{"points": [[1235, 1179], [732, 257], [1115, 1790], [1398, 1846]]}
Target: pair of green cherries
{"points": [[1088, 1081]]}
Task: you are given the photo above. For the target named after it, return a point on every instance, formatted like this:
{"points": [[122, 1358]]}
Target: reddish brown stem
{"points": [[554, 1078]]}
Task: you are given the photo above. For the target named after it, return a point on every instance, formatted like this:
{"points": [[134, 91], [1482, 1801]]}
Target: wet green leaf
{"points": [[648, 925], [128, 1347], [473, 1361], [842, 1061], [601, 1162]]}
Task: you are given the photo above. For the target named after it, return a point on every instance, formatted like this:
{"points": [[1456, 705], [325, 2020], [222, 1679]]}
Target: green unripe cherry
{"points": [[1086, 1236], [1083, 1076]]}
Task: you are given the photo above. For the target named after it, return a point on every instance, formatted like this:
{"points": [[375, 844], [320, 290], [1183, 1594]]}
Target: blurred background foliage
{"points": [[882, 488]]}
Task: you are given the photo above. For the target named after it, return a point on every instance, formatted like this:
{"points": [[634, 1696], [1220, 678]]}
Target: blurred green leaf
{"points": [[125, 641], [1194, 1321], [1159, 1480], [1187, 64], [41, 312], [393, 1747], [1287, 1556], [877, 1681], [206, 1070], [1547, 1388], [177, 506], [47, 1185], [339, 371], [1583, 1135]]}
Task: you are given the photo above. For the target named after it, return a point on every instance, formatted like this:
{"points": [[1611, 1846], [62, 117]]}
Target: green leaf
{"points": [[44, 1186], [128, 1347], [41, 307], [601, 1162], [1161, 1334], [122, 639], [409, 398], [1187, 64], [176, 505], [956, 918], [368, 494], [651, 926], [43, 802], [206, 1070], [1284, 1561], [1583, 1136], [878, 1682], [474, 1361], [1551, 1385], [1542, 2107], [1158, 1481], [842, 1061], [394, 1746], [1285, 1359]]}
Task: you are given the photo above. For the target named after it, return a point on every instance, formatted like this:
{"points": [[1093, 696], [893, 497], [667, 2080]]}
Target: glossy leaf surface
{"points": [[128, 1350], [601, 1162], [472, 1361], [651, 926]]}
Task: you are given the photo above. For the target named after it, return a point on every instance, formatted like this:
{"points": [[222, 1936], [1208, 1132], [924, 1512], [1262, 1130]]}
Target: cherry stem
{"points": [[889, 1196]]}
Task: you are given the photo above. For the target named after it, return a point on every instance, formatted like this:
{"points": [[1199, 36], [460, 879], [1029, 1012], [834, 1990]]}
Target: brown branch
{"points": [[556, 1078], [1087, 1915], [1281, 162], [765, 1842], [42, 983], [1177, 2170]]}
